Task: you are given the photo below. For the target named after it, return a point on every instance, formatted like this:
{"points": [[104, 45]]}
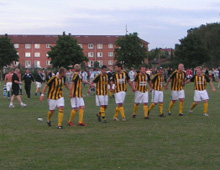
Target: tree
{"points": [[192, 51], [66, 52], [8, 53], [131, 50]]}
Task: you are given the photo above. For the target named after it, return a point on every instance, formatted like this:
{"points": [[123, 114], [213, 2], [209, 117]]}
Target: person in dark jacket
{"points": [[39, 81], [28, 79]]}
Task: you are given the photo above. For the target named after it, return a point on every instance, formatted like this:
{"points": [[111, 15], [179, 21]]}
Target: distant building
{"points": [[33, 49]]}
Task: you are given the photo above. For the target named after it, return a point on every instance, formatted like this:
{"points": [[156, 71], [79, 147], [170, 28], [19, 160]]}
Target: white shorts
{"points": [[120, 97], [101, 100], [77, 102], [157, 96], [9, 86], [38, 84], [141, 97], [200, 95], [178, 95], [56, 103]]}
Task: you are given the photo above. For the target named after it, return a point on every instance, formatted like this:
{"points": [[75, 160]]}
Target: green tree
{"points": [[131, 50], [66, 52], [192, 51], [8, 53]]}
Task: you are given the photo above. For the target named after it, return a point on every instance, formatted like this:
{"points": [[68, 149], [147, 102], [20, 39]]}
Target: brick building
{"points": [[33, 49]]}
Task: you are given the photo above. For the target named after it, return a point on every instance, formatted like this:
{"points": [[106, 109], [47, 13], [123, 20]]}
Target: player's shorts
{"points": [[56, 103], [141, 97], [101, 100], [77, 102], [15, 91], [120, 97], [9, 86], [200, 95], [157, 96], [38, 84], [178, 95]]}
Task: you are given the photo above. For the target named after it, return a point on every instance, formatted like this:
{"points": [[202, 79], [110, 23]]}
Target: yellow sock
{"points": [[161, 108], [193, 105], [60, 117], [102, 111], [72, 115], [117, 112], [171, 106], [206, 107], [135, 109], [146, 110], [49, 115], [81, 112], [110, 93], [181, 107], [121, 109], [151, 106]]}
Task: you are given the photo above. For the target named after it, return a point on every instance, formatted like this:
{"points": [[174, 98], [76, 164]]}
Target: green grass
{"points": [[173, 142]]}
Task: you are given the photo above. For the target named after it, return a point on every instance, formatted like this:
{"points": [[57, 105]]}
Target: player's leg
{"points": [[136, 103], [154, 100], [60, 105], [81, 112], [181, 96]]}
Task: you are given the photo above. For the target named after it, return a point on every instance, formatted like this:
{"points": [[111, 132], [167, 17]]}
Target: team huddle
{"points": [[117, 84]]}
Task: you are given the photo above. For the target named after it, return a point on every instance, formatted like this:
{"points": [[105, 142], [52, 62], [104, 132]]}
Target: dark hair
{"points": [[118, 65], [104, 66], [62, 70], [142, 66]]}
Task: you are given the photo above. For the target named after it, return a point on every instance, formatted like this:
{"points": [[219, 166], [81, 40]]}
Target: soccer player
{"points": [[39, 80], [102, 81], [177, 79], [120, 79], [157, 93], [8, 82], [76, 100], [141, 91], [15, 89], [28, 79], [55, 96], [200, 82]]}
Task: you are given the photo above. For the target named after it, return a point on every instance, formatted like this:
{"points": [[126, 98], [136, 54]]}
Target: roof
{"points": [[52, 39]]}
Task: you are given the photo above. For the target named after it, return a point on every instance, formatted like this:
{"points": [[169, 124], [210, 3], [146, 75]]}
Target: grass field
{"points": [[173, 142]]}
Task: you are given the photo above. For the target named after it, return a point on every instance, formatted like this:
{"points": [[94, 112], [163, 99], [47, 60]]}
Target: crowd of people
{"points": [[105, 82]]}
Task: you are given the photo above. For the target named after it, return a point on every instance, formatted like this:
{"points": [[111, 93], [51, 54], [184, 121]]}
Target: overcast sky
{"points": [[160, 22]]}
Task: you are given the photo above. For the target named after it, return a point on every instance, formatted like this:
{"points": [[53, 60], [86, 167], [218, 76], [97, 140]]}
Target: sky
{"points": [[162, 23]]}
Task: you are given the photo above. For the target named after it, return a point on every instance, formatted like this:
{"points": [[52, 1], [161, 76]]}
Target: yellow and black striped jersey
{"points": [[157, 82], [141, 81], [55, 85], [120, 80], [200, 82], [177, 80], [77, 85], [101, 84]]}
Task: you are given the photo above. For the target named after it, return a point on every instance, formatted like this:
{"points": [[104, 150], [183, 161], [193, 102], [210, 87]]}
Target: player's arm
{"points": [[190, 80], [213, 87], [43, 92], [71, 89]]}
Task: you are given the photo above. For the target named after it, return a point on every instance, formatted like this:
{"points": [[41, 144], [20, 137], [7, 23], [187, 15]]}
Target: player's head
{"points": [[62, 71], [28, 71], [180, 67], [161, 71], [199, 70], [104, 69], [39, 71], [118, 67], [142, 69], [17, 70], [77, 68]]}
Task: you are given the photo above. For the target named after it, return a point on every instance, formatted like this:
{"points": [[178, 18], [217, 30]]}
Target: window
{"points": [[91, 63], [99, 54], [110, 62], [80, 45], [110, 54], [27, 64], [16, 63], [90, 54], [48, 45], [27, 54], [28, 46], [36, 54], [37, 64], [16, 45], [37, 46], [18, 54], [48, 63], [100, 46], [47, 55], [110, 45], [90, 46], [100, 63]]}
